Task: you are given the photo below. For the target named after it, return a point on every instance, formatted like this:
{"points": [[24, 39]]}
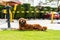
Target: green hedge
{"points": [[1, 14], [28, 11]]}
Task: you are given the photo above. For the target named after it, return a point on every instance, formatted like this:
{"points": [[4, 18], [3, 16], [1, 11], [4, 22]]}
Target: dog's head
{"points": [[44, 28], [22, 21]]}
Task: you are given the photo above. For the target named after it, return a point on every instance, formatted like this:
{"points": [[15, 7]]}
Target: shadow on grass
{"points": [[25, 30]]}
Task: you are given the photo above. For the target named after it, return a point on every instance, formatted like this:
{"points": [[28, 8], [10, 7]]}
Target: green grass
{"points": [[30, 35]]}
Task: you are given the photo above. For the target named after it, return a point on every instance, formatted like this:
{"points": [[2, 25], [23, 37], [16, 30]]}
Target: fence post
{"points": [[52, 15]]}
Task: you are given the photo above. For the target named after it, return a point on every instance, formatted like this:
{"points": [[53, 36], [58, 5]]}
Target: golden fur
{"points": [[24, 26]]}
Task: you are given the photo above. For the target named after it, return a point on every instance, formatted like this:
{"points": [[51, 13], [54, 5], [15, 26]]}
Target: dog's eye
{"points": [[21, 20]]}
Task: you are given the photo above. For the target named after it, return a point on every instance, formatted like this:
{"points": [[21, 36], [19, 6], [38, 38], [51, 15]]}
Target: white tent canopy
{"points": [[3, 2], [10, 0]]}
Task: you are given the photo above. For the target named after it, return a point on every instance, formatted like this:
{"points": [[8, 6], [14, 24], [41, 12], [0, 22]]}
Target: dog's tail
{"points": [[44, 28]]}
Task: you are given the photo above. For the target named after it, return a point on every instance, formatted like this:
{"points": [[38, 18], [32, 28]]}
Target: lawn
{"points": [[30, 35]]}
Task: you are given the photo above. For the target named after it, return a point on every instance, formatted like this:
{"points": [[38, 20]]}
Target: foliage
{"points": [[28, 11]]}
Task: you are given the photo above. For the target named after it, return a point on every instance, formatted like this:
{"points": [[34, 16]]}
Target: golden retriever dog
{"points": [[24, 26]]}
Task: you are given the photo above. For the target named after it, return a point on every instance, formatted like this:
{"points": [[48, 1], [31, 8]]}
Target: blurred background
{"points": [[31, 9]]}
